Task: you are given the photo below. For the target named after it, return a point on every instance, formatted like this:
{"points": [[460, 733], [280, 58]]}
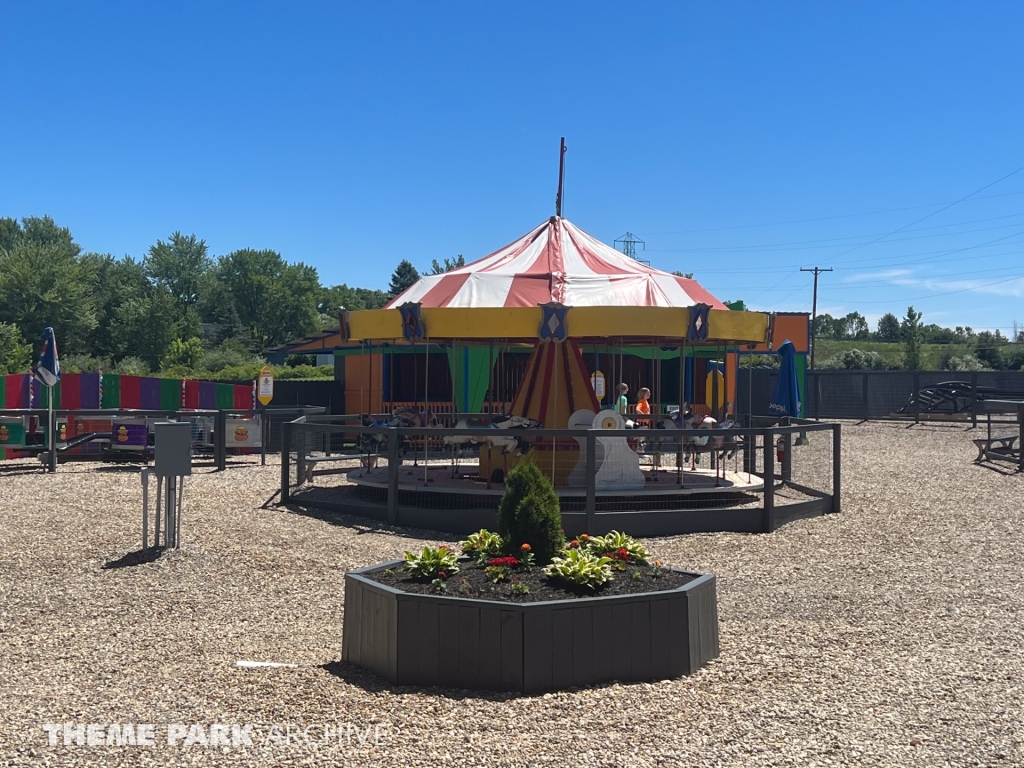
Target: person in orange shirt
{"points": [[643, 406]]}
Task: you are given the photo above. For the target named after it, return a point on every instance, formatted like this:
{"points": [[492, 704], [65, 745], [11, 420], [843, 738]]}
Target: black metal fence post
{"points": [[917, 397], [837, 464], [591, 483], [220, 441], [768, 525], [787, 455], [974, 400], [864, 396], [394, 462], [286, 461]]}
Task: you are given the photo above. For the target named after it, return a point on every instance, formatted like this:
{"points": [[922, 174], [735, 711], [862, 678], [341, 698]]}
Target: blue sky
{"points": [[739, 141]]}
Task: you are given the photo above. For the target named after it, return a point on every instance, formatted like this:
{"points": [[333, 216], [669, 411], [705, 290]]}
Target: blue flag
{"points": [[48, 367], [786, 399]]}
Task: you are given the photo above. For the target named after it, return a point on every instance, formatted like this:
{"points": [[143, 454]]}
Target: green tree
{"points": [[825, 327], [186, 355], [44, 282], [405, 274], [179, 265], [448, 266], [888, 327], [910, 333], [15, 354], [115, 281], [687, 275], [274, 300], [337, 296], [853, 326], [145, 327], [987, 346]]}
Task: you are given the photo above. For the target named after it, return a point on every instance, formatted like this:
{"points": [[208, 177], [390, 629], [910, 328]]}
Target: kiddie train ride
{"points": [[561, 291]]}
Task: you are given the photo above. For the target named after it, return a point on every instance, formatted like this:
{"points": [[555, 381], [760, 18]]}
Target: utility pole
{"points": [[814, 308]]}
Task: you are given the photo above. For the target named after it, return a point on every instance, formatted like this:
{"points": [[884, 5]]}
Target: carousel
{"points": [[573, 306]]}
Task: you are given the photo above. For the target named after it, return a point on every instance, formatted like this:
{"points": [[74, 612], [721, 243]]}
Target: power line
{"points": [[933, 213], [822, 218], [771, 247]]}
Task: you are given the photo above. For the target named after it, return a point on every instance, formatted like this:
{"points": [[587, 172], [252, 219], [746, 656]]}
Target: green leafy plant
{"points": [[432, 563], [496, 573], [518, 588], [439, 586], [636, 574], [658, 570], [612, 543], [389, 572], [482, 545], [581, 568], [529, 513], [465, 588]]}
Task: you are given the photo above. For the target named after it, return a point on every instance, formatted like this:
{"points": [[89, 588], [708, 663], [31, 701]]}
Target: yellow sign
{"points": [[241, 434], [4, 434], [265, 385]]}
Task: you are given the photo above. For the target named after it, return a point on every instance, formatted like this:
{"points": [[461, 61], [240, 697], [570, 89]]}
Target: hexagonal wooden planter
{"points": [[457, 642]]}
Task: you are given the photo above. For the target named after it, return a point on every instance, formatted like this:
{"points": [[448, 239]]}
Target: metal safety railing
{"points": [[785, 471]]}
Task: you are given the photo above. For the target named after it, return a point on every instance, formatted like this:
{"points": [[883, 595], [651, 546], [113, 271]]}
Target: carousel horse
{"points": [[488, 425]]}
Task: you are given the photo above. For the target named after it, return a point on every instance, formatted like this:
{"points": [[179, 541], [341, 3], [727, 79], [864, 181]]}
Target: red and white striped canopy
{"points": [[560, 262]]}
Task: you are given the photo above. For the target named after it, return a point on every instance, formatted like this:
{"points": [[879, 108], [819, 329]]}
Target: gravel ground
{"points": [[888, 635]]}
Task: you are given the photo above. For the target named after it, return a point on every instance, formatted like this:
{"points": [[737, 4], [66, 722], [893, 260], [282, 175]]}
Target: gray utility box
{"points": [[172, 449]]}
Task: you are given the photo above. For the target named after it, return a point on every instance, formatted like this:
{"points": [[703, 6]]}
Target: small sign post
{"points": [[264, 393], [265, 389]]}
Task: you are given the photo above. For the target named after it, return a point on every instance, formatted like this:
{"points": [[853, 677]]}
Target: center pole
{"points": [[561, 179]]}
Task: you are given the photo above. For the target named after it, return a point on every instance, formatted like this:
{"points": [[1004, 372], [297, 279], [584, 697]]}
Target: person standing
{"points": [[643, 406], [622, 403]]}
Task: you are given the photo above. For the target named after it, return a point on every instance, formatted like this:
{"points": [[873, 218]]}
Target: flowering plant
{"points": [[508, 562], [432, 563], [482, 544], [614, 542]]}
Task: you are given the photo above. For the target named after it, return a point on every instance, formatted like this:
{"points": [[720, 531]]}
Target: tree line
{"points": [[965, 350], [178, 309]]}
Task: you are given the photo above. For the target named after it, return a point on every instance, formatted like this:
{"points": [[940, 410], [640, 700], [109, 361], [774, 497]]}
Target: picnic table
{"points": [[1004, 447]]}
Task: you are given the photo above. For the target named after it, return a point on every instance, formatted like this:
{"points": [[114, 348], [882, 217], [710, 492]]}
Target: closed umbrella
{"points": [[48, 373], [786, 398]]}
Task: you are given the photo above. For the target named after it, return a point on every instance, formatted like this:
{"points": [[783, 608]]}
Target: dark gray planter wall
{"points": [[433, 640]]}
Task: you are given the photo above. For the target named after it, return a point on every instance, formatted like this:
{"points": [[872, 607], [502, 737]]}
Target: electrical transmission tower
{"points": [[629, 242]]}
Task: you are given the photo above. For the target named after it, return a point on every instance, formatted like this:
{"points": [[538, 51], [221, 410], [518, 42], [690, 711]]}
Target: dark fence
{"points": [[432, 478], [884, 394]]}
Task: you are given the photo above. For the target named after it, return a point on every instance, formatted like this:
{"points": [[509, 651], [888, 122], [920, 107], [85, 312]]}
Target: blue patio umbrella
{"points": [[786, 399]]}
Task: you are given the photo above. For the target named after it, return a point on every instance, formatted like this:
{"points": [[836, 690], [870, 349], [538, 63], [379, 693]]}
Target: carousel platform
{"points": [[464, 480]]}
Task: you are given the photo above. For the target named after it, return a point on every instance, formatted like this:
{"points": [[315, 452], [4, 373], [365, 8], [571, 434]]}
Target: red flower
{"points": [[619, 554], [503, 561], [442, 575], [526, 547], [573, 544]]}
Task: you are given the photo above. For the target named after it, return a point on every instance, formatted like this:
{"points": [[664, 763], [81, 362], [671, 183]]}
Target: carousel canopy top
{"points": [[555, 282], [556, 262]]}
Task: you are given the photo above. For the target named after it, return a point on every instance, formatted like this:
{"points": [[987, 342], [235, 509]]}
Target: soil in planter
{"points": [[472, 582]]}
